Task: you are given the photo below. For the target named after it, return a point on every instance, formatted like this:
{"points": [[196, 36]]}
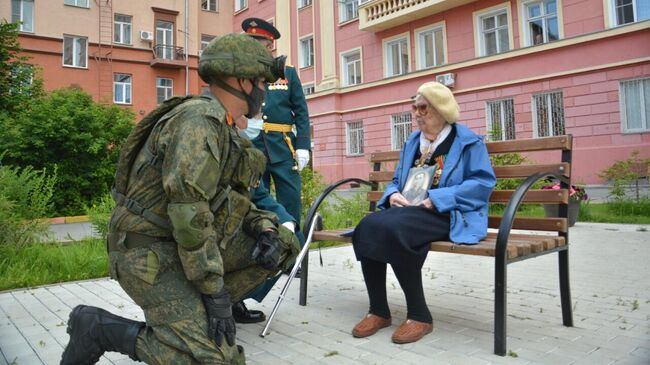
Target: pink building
{"points": [[518, 68]]}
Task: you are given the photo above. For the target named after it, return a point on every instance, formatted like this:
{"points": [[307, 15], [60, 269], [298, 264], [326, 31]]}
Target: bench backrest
{"points": [[384, 164]]}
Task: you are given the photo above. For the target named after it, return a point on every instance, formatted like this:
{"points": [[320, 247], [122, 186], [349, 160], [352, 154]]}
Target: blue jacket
{"points": [[465, 185]]}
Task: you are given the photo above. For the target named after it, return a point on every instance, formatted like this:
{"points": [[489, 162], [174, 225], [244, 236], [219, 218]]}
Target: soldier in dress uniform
{"points": [[283, 109]]}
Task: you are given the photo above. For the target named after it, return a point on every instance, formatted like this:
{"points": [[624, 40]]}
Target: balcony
{"points": [[377, 15], [166, 56]]}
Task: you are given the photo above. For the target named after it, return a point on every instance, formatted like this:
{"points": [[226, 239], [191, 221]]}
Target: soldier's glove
{"points": [[220, 321], [267, 250]]}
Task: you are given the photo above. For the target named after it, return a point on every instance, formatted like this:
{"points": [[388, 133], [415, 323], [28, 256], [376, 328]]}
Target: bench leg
{"points": [[565, 290], [303, 280], [500, 282]]}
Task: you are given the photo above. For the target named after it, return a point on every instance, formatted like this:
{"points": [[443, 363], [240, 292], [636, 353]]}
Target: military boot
{"points": [[94, 331]]}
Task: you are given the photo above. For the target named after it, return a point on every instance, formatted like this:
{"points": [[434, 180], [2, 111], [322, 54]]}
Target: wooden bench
{"points": [[550, 234]]}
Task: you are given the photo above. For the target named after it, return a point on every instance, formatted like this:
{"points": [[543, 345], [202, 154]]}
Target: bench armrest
{"points": [[316, 204], [513, 204]]}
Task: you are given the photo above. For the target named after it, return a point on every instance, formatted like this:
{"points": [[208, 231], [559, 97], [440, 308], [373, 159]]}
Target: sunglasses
{"points": [[421, 109]]}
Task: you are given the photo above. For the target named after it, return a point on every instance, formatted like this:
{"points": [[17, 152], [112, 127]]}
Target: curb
{"points": [[73, 219]]}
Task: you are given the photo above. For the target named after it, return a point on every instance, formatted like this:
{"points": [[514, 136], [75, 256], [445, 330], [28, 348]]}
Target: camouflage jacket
{"points": [[193, 155]]}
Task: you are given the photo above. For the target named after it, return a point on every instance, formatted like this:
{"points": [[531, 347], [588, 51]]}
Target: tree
{"points": [[66, 130]]}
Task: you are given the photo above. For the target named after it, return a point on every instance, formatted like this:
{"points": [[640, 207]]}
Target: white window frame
{"points": [[524, 30], [127, 89], [420, 50], [610, 13], [241, 5], [549, 111], [344, 63], [167, 90], [22, 15], [306, 60], [386, 43], [210, 4], [343, 10], [122, 26], [354, 129], [644, 103], [204, 42], [400, 122], [76, 3], [306, 87], [479, 33], [503, 113], [304, 3], [75, 52]]}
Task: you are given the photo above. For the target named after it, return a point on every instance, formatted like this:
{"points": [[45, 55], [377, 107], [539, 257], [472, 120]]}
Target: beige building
{"points": [[131, 53]]}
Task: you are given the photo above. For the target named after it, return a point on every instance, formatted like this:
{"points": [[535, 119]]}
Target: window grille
{"points": [[548, 114], [354, 137], [635, 105], [501, 119], [401, 126]]}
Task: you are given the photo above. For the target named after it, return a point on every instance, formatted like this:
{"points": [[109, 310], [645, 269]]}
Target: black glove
{"points": [[220, 320], [267, 251]]}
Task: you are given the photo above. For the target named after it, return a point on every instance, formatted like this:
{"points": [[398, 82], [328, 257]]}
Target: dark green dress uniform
{"points": [[285, 104]]}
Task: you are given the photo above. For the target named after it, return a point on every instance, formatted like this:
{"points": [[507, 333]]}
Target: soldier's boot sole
{"points": [[94, 331]]}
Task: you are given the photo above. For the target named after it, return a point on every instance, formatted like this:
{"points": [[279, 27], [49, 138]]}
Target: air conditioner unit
{"points": [[448, 79], [146, 36]]}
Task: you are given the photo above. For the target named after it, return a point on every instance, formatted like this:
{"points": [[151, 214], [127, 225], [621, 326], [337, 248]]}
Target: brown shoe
{"points": [[370, 325], [411, 331]]}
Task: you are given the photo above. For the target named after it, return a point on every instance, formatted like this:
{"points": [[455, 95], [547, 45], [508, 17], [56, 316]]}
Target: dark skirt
{"points": [[399, 236]]}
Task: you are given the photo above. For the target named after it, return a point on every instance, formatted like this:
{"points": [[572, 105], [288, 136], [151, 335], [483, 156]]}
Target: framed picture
{"points": [[418, 183]]}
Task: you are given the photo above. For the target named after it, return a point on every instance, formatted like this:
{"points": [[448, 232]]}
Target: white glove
{"points": [[302, 157], [290, 225]]}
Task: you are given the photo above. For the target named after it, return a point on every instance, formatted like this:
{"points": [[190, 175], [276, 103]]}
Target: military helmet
{"points": [[236, 55]]}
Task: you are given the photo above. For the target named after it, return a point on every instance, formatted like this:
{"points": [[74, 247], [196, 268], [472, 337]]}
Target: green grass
{"points": [[612, 212], [49, 263]]}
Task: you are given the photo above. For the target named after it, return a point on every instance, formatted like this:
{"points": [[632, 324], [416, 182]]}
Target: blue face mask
{"points": [[253, 130]]}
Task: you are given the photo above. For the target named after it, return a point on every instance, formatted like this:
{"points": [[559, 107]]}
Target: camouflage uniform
{"points": [[193, 168]]}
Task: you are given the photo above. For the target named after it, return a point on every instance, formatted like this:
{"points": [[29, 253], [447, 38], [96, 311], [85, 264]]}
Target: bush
{"points": [[25, 195], [100, 215], [624, 173], [312, 186], [67, 129]]}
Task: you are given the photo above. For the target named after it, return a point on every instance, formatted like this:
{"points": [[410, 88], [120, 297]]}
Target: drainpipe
{"points": [[187, 63]]}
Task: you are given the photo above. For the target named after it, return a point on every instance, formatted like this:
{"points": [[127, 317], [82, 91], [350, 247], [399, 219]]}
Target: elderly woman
{"points": [[400, 233]]}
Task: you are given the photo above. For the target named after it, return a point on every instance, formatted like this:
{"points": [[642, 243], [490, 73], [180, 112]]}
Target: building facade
{"points": [[518, 68], [130, 53]]}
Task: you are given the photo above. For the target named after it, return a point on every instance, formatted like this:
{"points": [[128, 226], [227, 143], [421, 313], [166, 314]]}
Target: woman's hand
{"points": [[427, 203], [398, 200]]}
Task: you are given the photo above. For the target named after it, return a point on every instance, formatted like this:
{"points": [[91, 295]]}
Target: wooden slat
{"points": [[332, 235], [381, 176], [539, 224], [483, 248], [384, 156], [530, 144], [522, 171], [533, 196]]}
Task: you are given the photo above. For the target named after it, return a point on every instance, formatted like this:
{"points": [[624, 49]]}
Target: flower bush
{"points": [[576, 193]]}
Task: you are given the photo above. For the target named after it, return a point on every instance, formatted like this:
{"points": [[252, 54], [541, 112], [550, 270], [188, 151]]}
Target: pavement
{"points": [[610, 282]]}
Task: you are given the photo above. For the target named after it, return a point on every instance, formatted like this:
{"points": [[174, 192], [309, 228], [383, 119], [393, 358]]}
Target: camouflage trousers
{"points": [[176, 321]]}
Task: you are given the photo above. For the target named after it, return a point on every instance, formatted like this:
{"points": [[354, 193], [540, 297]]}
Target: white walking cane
{"points": [[316, 222]]}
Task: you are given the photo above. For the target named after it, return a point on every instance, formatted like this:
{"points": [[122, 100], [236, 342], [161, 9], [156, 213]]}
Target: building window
{"points": [[209, 5], [122, 29], [205, 39], [23, 11], [164, 89], [240, 5], [401, 126], [75, 51], [164, 40], [493, 32], [629, 11], [354, 138], [351, 68], [548, 114], [430, 47], [303, 3], [396, 55], [635, 105], [348, 10], [308, 89], [307, 52], [541, 25], [500, 115], [122, 88], [79, 3]]}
